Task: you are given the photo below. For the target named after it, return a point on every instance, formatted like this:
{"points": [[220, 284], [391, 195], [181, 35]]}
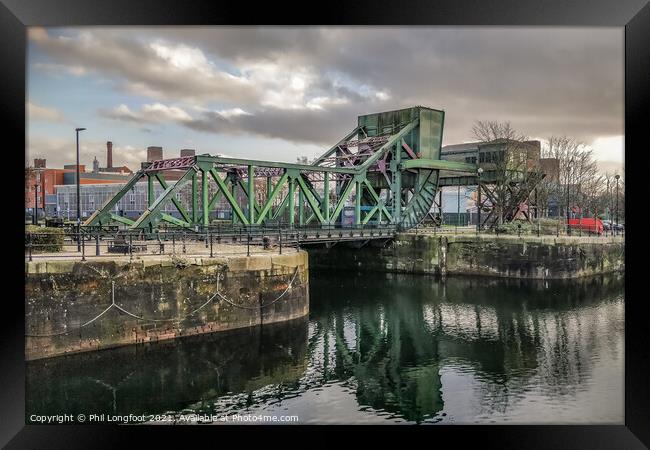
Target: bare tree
{"points": [[508, 163], [578, 177]]}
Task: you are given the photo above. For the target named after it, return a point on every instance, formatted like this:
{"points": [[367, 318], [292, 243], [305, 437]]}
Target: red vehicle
{"points": [[587, 225]]}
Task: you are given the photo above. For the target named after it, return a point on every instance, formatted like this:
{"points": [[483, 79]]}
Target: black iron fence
{"points": [[214, 240], [521, 228]]}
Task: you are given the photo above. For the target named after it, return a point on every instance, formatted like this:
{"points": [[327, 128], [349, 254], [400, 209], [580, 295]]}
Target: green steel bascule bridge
{"points": [[389, 167]]}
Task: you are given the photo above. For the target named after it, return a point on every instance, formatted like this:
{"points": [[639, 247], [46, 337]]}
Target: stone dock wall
{"points": [[156, 298], [529, 257]]}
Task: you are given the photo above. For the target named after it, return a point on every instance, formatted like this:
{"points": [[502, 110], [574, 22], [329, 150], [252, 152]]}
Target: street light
{"points": [[568, 229], [77, 130], [617, 176], [35, 221], [478, 205]]}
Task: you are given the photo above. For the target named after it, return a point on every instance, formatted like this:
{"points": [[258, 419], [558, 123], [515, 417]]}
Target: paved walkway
{"points": [[153, 251]]}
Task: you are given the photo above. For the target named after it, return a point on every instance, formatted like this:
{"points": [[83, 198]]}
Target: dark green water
{"points": [[376, 349]]}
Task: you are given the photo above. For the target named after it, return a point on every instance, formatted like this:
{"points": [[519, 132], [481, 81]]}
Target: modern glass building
{"points": [[132, 205]]}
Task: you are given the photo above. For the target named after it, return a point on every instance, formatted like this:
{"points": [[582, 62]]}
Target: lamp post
{"points": [[77, 130], [568, 229], [458, 210], [478, 204], [35, 221], [617, 176]]}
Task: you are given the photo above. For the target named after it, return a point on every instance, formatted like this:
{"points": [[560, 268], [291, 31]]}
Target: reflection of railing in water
{"points": [[389, 341]]}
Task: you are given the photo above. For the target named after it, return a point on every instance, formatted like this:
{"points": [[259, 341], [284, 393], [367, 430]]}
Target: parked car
{"points": [[587, 225]]}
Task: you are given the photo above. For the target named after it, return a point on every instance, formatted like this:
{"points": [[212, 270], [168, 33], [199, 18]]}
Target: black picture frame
{"points": [[634, 15]]}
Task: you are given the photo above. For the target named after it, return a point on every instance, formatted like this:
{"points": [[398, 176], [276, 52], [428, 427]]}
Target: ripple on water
{"points": [[401, 350]]}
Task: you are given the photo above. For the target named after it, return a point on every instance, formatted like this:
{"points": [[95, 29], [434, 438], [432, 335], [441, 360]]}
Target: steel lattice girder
{"points": [[390, 175]]}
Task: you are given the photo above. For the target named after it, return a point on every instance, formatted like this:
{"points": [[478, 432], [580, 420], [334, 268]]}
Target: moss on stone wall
{"points": [[505, 256], [169, 295]]}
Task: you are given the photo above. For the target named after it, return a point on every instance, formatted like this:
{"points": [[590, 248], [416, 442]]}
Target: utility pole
{"points": [[458, 210], [35, 221], [568, 229], [478, 204], [617, 176]]}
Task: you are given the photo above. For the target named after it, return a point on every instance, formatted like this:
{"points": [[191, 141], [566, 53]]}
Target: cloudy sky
{"points": [[277, 93]]}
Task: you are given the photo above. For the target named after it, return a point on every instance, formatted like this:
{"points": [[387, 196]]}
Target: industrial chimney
{"points": [[109, 154]]}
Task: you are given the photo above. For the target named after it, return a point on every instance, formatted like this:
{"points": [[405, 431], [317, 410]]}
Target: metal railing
{"points": [[534, 229], [213, 240]]}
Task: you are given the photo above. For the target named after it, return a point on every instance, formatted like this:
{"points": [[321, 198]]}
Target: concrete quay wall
{"points": [[526, 257], [156, 298]]}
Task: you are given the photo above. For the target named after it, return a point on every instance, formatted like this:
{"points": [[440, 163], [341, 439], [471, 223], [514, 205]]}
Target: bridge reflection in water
{"points": [[391, 348]]}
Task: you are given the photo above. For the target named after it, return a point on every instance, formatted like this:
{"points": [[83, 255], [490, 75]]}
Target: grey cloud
{"points": [[138, 69], [313, 127], [544, 80]]}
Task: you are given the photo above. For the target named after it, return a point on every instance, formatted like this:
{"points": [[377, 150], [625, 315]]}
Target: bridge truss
{"points": [[386, 169]]}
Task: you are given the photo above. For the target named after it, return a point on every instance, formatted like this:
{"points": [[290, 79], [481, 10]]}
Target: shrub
{"points": [[513, 228], [44, 239], [546, 227]]}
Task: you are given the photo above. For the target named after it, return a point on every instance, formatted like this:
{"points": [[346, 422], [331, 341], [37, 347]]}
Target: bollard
{"points": [[130, 247], [30, 246], [183, 238], [173, 243], [248, 244], [211, 255], [97, 245]]}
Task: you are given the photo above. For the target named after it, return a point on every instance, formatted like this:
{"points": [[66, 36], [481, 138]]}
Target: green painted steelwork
{"points": [[326, 197], [174, 200], [313, 203], [229, 197], [204, 195], [150, 191], [438, 164], [292, 189], [153, 214], [104, 215], [269, 202], [395, 173], [251, 195]]}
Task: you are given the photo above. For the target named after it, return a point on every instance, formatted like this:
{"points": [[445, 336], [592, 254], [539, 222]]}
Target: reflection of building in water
{"points": [[395, 344], [392, 342]]}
